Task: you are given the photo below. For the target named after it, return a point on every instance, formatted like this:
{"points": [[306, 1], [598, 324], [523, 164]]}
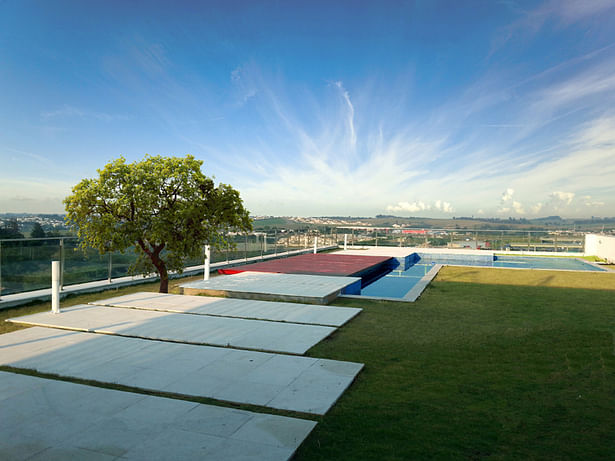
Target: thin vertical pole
{"points": [[61, 264], [265, 241], [207, 263], [315, 244], [110, 267], [555, 243], [275, 241], [345, 242], [55, 287], [245, 247]]}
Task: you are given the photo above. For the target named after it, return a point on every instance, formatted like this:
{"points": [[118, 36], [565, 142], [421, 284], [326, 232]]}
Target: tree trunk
{"points": [[164, 283], [159, 264], [162, 272]]}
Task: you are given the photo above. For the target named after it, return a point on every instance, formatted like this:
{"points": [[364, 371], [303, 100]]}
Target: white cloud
{"points": [[362, 158], [518, 207], [67, 111], [537, 208], [562, 197], [508, 194], [407, 207], [443, 206], [587, 200], [243, 84]]}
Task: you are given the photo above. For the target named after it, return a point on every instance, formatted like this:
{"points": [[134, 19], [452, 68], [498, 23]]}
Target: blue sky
{"points": [[425, 108]]}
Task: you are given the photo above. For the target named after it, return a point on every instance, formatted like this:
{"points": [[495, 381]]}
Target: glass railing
{"points": [[25, 264], [477, 239]]}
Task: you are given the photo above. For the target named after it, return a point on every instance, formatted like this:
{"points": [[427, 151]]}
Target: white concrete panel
{"points": [[194, 329], [231, 307], [297, 287], [61, 420], [277, 381]]}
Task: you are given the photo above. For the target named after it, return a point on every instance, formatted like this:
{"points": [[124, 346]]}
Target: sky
{"points": [[318, 108]]}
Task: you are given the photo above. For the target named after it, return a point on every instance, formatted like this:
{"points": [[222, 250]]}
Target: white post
{"points": [[206, 268], [345, 241], [315, 244], [55, 287], [265, 242]]}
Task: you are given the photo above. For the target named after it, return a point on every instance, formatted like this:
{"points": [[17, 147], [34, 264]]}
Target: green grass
{"points": [[488, 363], [475, 370]]}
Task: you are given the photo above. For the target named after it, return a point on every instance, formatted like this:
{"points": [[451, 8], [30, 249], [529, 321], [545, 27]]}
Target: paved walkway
{"points": [[301, 384], [192, 329], [310, 289], [45, 419], [239, 308]]}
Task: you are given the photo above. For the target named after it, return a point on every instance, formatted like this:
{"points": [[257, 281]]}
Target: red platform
{"points": [[318, 264]]}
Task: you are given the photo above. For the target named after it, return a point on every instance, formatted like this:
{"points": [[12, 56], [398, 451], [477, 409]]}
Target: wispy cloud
{"points": [[67, 111]]}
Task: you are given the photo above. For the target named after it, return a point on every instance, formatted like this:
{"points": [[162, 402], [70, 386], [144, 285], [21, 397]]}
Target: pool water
{"points": [[397, 283], [536, 262]]}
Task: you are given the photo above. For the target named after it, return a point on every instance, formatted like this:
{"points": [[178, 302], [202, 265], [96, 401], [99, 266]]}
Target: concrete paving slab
{"points": [[232, 307], [192, 329], [286, 382], [308, 289], [66, 421]]}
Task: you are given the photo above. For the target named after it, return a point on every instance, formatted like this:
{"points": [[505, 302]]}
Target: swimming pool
{"points": [[399, 282]]}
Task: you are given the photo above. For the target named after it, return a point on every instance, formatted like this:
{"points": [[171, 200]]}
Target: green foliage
{"points": [[163, 206], [11, 230], [37, 231]]}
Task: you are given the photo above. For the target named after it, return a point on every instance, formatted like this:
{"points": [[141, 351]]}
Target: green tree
{"points": [[163, 206], [37, 231], [11, 230]]}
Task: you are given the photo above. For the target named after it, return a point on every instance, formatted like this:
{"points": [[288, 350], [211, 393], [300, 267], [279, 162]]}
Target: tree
{"points": [[11, 230], [37, 231], [163, 206]]}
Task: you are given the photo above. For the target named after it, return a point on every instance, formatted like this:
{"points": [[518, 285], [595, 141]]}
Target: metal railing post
{"points": [[61, 264], [55, 287], [207, 263], [245, 247], [110, 267]]}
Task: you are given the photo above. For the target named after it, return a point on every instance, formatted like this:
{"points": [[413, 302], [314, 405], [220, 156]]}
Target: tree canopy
{"points": [[164, 207], [37, 231]]}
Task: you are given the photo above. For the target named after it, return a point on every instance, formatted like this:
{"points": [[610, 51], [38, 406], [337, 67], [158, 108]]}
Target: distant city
{"points": [[25, 225]]}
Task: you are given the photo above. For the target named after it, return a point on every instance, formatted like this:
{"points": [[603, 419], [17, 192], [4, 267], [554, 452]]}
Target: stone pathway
{"points": [[192, 329], [285, 382], [240, 308], [45, 419]]}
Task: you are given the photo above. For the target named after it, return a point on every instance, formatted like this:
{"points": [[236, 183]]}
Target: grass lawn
{"points": [[488, 363], [498, 364]]}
